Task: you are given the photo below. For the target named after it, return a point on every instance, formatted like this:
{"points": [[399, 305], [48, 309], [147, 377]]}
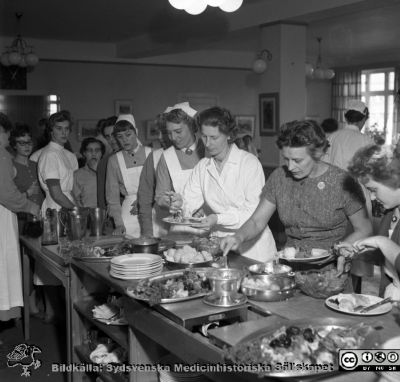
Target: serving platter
{"points": [[191, 222], [131, 290], [322, 325], [383, 309]]}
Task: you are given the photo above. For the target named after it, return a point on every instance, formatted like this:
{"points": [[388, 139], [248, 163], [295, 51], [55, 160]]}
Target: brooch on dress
{"points": [[321, 185]]}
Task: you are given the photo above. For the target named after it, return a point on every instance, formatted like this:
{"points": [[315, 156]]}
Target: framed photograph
{"points": [[269, 113], [86, 128], [246, 124], [152, 132], [123, 106]]}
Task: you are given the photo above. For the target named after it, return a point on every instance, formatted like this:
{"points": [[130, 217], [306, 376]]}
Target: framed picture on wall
{"points": [[269, 113], [152, 132], [123, 106], [86, 128], [246, 124]]}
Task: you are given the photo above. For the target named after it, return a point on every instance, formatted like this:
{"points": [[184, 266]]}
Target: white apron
{"points": [[10, 261], [131, 178], [160, 228], [261, 248], [179, 178]]}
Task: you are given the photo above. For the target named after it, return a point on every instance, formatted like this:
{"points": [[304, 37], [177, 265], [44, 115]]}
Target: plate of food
{"points": [[180, 220], [97, 251], [187, 257], [301, 348], [169, 287], [293, 254], [352, 303]]}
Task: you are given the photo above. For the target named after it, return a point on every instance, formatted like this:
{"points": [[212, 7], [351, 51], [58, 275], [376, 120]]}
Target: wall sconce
{"points": [[260, 64]]}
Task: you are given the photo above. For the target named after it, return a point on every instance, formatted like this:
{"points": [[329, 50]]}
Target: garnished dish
{"points": [[300, 348], [352, 303], [187, 255], [302, 255], [208, 244], [98, 251], [172, 286]]}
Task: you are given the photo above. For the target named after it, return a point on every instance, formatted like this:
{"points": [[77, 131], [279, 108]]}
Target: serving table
{"points": [[153, 331]]}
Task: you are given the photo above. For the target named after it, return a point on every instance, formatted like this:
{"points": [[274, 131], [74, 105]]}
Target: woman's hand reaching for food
{"points": [[370, 243], [345, 252], [229, 243], [345, 249], [176, 203]]}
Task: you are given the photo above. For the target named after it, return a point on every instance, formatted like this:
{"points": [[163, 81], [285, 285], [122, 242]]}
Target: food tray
{"points": [[130, 291], [371, 341]]}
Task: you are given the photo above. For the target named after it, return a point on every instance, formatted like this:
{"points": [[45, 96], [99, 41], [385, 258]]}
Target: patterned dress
{"points": [[314, 211]]}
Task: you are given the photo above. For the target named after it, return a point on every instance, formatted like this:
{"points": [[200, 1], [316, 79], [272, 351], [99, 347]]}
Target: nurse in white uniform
{"points": [[229, 182], [56, 168], [123, 174], [177, 162]]}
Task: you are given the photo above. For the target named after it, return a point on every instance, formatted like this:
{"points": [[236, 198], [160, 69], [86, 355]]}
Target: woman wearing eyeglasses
{"points": [[26, 178]]}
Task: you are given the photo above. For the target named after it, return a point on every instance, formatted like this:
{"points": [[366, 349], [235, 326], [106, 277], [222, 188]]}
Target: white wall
{"points": [[319, 97], [89, 90]]}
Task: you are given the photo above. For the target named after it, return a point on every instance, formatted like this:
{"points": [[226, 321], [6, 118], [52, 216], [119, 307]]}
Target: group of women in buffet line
{"points": [[204, 174]]}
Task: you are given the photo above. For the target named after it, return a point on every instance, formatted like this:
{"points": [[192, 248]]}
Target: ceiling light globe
{"points": [[23, 63], [196, 7], [309, 70], [319, 73], [14, 58], [259, 66], [231, 5], [180, 4], [215, 3], [4, 60], [329, 74], [31, 59]]}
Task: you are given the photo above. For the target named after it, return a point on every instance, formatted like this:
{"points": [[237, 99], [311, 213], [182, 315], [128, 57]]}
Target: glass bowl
{"points": [[321, 283]]}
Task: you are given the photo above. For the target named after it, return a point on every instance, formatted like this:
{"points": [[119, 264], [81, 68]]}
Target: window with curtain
{"points": [[378, 93], [345, 86], [379, 89]]}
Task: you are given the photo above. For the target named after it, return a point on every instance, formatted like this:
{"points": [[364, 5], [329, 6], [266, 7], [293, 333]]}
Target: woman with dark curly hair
{"points": [[314, 199], [378, 168], [228, 182]]}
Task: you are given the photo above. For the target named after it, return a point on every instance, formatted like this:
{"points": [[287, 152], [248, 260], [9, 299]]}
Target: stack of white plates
{"points": [[135, 266], [176, 376]]}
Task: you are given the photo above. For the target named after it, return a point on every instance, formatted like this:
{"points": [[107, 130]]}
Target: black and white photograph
{"points": [[199, 191]]}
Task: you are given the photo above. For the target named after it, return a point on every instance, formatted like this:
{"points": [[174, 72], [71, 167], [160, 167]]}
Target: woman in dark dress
{"points": [[26, 178]]}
